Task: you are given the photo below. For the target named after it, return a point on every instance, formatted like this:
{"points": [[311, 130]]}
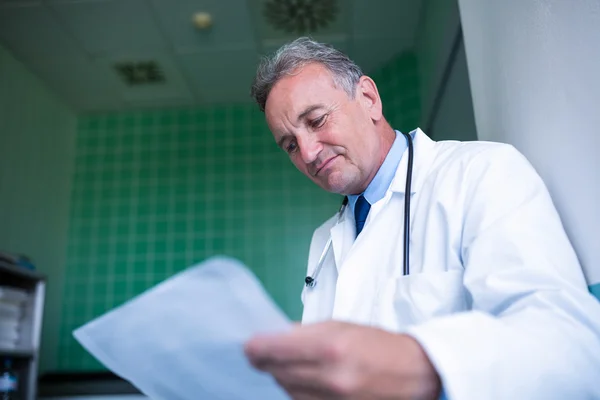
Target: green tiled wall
{"points": [[157, 191], [398, 85]]}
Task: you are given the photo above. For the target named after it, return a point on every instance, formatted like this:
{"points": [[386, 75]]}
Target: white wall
{"points": [[535, 77], [37, 135]]}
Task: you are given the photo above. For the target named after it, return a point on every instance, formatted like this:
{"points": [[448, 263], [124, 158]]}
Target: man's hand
{"points": [[335, 360]]}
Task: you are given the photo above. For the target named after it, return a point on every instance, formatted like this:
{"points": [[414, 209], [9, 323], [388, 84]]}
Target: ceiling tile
{"points": [[231, 29], [32, 31], [19, 3], [174, 88], [341, 43], [216, 66], [81, 83], [394, 18], [220, 76], [372, 53], [111, 26]]}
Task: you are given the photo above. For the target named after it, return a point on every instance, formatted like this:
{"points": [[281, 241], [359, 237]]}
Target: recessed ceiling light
{"points": [[202, 20]]}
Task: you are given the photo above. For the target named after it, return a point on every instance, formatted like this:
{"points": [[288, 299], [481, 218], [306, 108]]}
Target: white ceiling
{"points": [[72, 45]]}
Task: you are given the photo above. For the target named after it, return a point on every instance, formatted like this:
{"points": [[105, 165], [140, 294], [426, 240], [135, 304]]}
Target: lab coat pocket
{"points": [[414, 299]]}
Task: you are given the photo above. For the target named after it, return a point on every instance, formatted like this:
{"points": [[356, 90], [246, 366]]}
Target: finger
{"points": [[307, 388], [307, 394], [320, 381], [283, 349], [302, 375]]}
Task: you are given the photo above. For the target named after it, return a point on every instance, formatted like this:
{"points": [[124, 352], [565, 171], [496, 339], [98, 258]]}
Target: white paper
{"points": [[183, 339]]}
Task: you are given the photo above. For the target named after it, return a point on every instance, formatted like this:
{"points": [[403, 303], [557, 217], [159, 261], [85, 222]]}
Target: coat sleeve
{"points": [[534, 329]]}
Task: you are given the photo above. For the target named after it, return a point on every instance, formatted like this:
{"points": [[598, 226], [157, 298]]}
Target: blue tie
{"points": [[361, 210]]}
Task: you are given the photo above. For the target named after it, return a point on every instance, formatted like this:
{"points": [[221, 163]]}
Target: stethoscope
{"points": [[311, 281]]}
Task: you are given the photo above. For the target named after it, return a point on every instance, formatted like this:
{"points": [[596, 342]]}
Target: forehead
{"points": [[311, 84]]}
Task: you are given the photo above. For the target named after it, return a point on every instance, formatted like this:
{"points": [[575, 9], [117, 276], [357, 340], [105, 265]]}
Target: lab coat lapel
{"points": [[342, 237]]}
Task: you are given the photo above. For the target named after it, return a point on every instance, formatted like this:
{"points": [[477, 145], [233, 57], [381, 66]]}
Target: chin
{"points": [[336, 184]]}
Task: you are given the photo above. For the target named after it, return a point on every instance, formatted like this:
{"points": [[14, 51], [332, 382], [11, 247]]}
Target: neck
{"points": [[386, 136]]}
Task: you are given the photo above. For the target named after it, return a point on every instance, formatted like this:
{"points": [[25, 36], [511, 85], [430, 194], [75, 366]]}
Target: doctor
{"points": [[493, 304]]}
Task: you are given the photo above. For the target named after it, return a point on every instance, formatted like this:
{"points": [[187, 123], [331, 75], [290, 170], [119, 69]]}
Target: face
{"points": [[330, 137]]}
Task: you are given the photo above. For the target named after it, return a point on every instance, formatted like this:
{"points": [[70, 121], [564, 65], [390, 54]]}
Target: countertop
{"points": [[86, 385]]}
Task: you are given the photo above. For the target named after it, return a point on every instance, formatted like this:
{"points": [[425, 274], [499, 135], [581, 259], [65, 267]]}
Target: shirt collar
{"points": [[385, 175]]}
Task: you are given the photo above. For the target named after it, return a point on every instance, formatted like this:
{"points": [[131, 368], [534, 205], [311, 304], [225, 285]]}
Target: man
{"points": [[494, 305]]}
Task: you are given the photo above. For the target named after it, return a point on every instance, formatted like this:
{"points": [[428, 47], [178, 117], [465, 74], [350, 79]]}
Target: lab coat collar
{"points": [[342, 236], [423, 148]]}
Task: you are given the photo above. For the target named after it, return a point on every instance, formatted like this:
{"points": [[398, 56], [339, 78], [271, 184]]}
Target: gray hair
{"points": [[294, 55]]}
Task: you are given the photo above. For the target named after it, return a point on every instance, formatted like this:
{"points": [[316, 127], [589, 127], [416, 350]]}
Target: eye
{"points": [[318, 122], [291, 147]]}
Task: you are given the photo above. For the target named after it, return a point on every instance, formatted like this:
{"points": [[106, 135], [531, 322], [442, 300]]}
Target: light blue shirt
{"points": [[384, 177]]}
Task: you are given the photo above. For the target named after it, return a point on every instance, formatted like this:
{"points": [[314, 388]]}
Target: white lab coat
{"points": [[495, 294]]}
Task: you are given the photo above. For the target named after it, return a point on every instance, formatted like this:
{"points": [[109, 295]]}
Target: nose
{"points": [[310, 147]]}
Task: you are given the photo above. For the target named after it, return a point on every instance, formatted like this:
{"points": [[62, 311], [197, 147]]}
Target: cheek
{"points": [[298, 163], [346, 134]]}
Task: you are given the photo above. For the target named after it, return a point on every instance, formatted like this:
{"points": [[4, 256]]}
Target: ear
{"points": [[368, 95]]}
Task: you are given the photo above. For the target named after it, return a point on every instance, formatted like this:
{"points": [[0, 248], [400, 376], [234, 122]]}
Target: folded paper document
{"points": [[183, 339]]}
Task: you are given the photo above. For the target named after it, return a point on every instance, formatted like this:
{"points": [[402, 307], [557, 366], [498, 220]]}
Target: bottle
{"points": [[9, 383]]}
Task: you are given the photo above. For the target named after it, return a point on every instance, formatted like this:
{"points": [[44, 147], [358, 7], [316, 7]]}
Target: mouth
{"points": [[325, 164]]}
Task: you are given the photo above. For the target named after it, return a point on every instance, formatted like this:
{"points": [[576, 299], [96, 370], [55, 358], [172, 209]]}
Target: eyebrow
{"points": [[308, 110]]}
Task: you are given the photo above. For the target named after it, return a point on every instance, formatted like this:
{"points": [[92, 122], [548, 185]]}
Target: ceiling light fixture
{"points": [[202, 20], [300, 16]]}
